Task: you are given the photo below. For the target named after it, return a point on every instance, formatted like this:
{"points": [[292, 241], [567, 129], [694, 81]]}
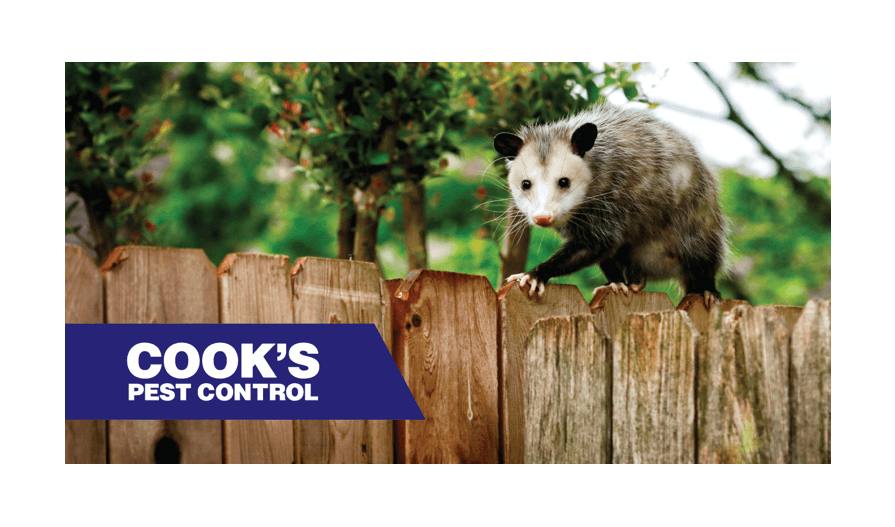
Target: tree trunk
{"points": [[347, 224], [103, 237], [415, 226], [366, 229], [514, 252]]}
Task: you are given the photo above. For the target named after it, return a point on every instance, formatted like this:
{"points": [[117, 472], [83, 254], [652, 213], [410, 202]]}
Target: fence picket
{"points": [[653, 404], [341, 292], [694, 306], [743, 387], [517, 314], [256, 289], [85, 441], [158, 285], [790, 315], [446, 348], [810, 384], [567, 392], [612, 308]]}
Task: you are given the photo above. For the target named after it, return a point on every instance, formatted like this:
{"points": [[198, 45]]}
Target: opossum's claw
{"points": [[522, 277], [538, 286], [619, 285], [709, 298], [534, 287], [534, 284]]}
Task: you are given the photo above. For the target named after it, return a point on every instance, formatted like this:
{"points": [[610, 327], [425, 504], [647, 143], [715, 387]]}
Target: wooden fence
{"points": [[500, 377]]}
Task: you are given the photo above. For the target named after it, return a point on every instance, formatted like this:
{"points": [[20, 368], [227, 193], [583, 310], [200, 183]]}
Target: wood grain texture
{"points": [[567, 392], [446, 349], [160, 285], [517, 314], [743, 387], [810, 384], [341, 292], [85, 441], [83, 287], [612, 309], [790, 315], [653, 399], [256, 289], [694, 306], [197, 441], [259, 441]]}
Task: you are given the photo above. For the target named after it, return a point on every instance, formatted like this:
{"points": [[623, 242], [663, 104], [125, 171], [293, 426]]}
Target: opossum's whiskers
{"points": [[495, 177], [516, 223], [505, 215], [492, 201]]}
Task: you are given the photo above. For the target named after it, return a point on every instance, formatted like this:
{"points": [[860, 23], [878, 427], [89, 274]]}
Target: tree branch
{"points": [[817, 204], [748, 69]]}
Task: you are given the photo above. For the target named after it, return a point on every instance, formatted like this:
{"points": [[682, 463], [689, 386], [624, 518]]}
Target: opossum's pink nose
{"points": [[543, 221]]}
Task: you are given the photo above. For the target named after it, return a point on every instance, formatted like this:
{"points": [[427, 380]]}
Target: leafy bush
{"points": [[107, 139]]}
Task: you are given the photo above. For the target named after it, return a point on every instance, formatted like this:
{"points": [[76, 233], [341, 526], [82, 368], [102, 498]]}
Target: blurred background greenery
{"points": [[385, 162]]}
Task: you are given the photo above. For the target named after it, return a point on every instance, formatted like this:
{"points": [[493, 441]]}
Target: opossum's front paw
{"points": [[536, 285], [617, 287], [614, 287], [709, 298]]}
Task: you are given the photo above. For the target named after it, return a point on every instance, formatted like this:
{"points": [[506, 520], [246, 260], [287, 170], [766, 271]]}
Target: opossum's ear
{"points": [[583, 138], [507, 145]]}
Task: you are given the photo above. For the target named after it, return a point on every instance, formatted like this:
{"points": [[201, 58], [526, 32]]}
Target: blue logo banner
{"points": [[232, 371]]}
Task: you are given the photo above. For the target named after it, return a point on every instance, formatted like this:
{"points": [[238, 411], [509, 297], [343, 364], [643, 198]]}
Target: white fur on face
{"points": [[546, 197]]}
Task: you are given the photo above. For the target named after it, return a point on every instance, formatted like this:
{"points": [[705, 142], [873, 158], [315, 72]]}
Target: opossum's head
{"points": [[548, 177]]}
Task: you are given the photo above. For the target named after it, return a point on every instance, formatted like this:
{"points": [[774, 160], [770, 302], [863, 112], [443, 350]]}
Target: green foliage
{"points": [[303, 225], [788, 250], [220, 187], [366, 123], [108, 138], [458, 239], [499, 95]]}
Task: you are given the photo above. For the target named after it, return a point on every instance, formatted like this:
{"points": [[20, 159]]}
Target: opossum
{"points": [[625, 191]]}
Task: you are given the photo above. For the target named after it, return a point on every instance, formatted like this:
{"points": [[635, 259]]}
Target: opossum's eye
{"points": [[564, 182], [526, 185]]}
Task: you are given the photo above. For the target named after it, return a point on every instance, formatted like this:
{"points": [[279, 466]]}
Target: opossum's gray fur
{"points": [[650, 197]]}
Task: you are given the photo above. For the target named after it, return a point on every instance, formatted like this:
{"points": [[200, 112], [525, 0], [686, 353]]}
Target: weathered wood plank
{"points": [[612, 308], [653, 399], [85, 441], [341, 292], [568, 392], [256, 289], [694, 306], [160, 285], [446, 349], [517, 314], [743, 387], [810, 402], [790, 315], [83, 287]]}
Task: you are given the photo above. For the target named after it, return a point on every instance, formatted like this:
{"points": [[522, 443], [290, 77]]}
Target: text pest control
{"points": [[250, 360]]}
